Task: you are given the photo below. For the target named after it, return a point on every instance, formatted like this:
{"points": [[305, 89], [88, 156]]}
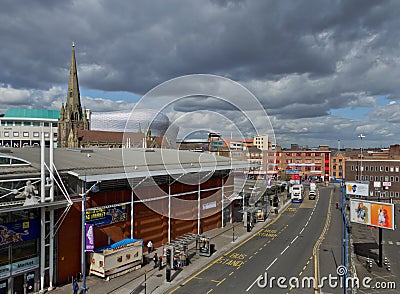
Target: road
{"points": [[283, 248]]}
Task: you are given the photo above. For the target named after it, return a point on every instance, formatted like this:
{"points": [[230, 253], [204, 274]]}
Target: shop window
{"points": [[24, 250]]}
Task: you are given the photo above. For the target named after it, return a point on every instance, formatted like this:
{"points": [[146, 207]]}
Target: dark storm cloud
{"points": [[301, 58]]}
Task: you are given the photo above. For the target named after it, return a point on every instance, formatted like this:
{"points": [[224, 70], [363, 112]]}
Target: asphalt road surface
{"points": [[281, 251]]}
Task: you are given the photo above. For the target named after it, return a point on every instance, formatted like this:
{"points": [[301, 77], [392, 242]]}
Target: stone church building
{"points": [[72, 118]]}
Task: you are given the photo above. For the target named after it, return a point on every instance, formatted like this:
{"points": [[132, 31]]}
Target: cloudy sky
{"points": [[323, 70]]}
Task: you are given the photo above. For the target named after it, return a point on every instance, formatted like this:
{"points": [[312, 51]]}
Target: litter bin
{"points": [[212, 248]]}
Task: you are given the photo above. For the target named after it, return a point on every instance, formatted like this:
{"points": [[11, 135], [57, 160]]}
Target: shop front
{"points": [[19, 260]]}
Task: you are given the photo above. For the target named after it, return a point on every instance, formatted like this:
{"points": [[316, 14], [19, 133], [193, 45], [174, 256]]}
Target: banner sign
{"points": [[89, 236], [377, 214], [354, 188], [12, 233], [24, 265], [5, 271], [106, 215]]}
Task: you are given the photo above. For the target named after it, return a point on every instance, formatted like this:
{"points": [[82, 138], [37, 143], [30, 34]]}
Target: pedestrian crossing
{"points": [[391, 242]]}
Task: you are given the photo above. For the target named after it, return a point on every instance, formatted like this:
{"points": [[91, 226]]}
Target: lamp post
{"points": [[94, 188], [361, 136]]}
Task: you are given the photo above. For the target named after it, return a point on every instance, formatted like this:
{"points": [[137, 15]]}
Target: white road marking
{"points": [[271, 264], [302, 230], [390, 242], [294, 240], [247, 290], [284, 249], [397, 243]]}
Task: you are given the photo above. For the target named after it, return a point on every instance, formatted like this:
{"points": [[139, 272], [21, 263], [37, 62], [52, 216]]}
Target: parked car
{"points": [[312, 195]]}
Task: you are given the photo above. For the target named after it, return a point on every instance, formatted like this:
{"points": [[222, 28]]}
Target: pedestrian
{"points": [[183, 259], [160, 262], [155, 259], [337, 205], [75, 286], [149, 247]]}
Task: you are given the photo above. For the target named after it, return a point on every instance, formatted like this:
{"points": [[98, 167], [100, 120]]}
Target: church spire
{"points": [[73, 94]]}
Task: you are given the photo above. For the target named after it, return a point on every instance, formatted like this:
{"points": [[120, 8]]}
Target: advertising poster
{"points": [[377, 214], [354, 188], [106, 215], [19, 231]]}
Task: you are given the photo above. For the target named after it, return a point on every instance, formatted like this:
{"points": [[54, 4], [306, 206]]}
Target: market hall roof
{"points": [[112, 164]]}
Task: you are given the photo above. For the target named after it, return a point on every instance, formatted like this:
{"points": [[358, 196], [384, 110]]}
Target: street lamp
{"points": [[361, 136], [94, 188]]}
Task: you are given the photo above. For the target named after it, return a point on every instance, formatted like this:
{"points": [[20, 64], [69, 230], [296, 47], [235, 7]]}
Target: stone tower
{"points": [[72, 118]]}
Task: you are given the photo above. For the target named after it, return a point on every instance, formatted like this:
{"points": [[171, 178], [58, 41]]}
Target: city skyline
{"points": [[321, 77]]}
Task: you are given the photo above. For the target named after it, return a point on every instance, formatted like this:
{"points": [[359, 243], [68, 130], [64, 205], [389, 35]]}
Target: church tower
{"points": [[72, 118]]}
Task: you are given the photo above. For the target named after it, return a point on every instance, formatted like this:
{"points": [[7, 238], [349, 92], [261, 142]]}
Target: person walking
{"points": [[149, 247], [155, 259], [75, 286]]}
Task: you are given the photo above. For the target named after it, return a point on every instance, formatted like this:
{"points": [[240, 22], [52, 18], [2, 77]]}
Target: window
{"points": [[340, 174], [391, 169], [46, 134], [366, 168], [386, 178], [396, 179], [352, 167], [16, 134], [366, 178], [392, 178], [334, 160], [377, 193], [55, 135], [340, 160], [25, 134], [18, 123], [376, 178], [36, 124], [6, 134], [381, 168], [386, 168], [36, 134], [356, 177], [381, 178], [396, 194], [397, 169], [376, 168], [334, 174]]}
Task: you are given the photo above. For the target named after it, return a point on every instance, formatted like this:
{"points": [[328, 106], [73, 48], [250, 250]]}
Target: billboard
{"points": [[101, 216], [354, 188], [20, 231], [377, 214]]}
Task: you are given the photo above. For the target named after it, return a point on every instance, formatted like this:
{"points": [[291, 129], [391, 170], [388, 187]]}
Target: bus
{"points": [[297, 193]]}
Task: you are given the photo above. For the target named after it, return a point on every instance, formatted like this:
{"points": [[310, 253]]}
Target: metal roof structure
{"points": [[113, 164]]}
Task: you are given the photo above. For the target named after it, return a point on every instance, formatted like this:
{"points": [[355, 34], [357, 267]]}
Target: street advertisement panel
{"points": [[360, 189], [11, 233], [102, 216], [377, 214], [89, 236]]}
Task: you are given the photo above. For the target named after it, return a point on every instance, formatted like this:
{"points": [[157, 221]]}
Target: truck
{"points": [[313, 187], [297, 193]]}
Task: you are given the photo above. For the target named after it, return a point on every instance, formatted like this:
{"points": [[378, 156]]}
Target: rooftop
{"points": [[32, 113]]}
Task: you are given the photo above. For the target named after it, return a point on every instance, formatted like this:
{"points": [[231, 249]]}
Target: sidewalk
{"points": [[134, 282]]}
